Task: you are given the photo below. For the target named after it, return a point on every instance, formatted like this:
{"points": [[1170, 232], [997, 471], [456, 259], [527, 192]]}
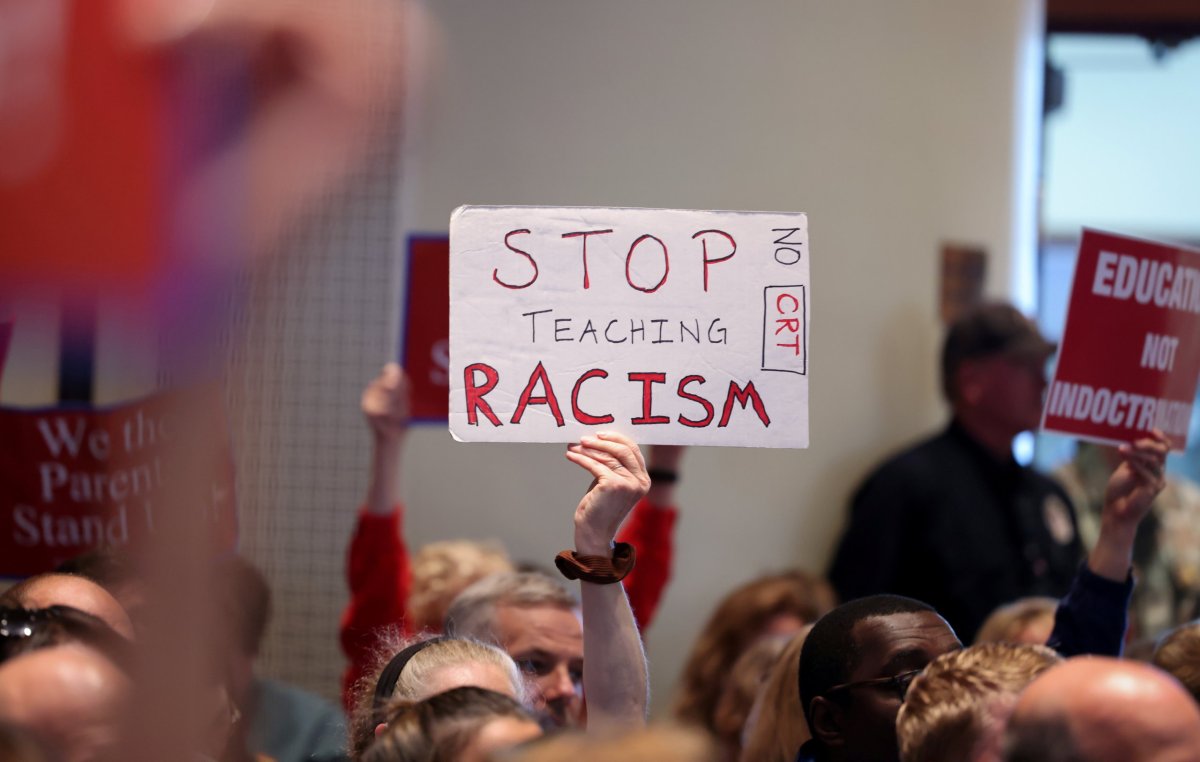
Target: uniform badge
{"points": [[1057, 516]]}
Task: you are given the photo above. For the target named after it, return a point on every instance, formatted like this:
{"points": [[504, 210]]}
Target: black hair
{"points": [[108, 567], [244, 603], [830, 653]]}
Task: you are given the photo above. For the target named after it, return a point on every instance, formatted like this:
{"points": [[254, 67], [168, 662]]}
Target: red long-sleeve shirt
{"points": [[378, 570]]}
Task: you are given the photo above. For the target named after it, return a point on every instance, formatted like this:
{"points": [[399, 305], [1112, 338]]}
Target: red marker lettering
{"points": [[742, 395], [527, 398], [647, 380], [684, 394], [475, 400], [580, 415], [704, 247]]}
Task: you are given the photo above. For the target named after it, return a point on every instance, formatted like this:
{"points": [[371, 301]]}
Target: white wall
{"points": [[892, 124]]}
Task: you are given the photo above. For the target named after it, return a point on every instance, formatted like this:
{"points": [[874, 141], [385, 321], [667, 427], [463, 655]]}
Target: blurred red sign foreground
{"points": [[75, 478]]}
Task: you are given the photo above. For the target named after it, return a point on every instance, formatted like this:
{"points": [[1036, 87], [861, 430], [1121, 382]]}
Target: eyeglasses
{"points": [[898, 684], [23, 623], [24, 630]]}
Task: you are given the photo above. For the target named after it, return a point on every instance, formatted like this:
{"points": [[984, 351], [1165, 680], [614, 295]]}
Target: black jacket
{"points": [[946, 523]]}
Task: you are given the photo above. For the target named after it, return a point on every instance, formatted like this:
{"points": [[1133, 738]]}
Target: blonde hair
{"points": [[947, 709], [738, 621], [442, 570], [1006, 623], [412, 681], [440, 727], [664, 743], [776, 728], [1179, 655]]}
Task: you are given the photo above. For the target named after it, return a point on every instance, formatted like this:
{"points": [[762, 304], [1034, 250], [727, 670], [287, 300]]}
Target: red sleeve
{"points": [[377, 568], [650, 529]]}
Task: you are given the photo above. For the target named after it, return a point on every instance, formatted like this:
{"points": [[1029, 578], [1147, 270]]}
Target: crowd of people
{"points": [[978, 620]]}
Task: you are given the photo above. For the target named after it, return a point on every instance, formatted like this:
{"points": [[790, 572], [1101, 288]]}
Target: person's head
{"points": [[993, 368], [663, 743], [1178, 654], [116, 571], [1094, 709], [52, 589], [536, 621], [775, 727], [855, 668], [408, 672], [466, 724], [741, 686], [1026, 620], [442, 570], [26, 630], [70, 697], [776, 604], [957, 708], [242, 603]]}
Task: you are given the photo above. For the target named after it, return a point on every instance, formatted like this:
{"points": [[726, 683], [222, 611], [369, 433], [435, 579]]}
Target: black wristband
{"points": [[661, 476]]}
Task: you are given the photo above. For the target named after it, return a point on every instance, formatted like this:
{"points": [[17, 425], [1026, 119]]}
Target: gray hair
{"points": [[473, 612]]}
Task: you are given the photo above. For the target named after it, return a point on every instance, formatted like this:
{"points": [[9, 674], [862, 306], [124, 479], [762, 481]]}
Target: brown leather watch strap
{"points": [[599, 570]]}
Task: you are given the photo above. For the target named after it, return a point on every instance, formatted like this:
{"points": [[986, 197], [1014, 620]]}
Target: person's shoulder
{"points": [[910, 476], [294, 701], [916, 458]]}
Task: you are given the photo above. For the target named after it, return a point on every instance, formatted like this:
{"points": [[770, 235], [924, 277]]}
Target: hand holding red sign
{"points": [[1131, 491], [1130, 354]]}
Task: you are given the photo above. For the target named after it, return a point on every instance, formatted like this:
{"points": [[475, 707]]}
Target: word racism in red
{"points": [[481, 379]]}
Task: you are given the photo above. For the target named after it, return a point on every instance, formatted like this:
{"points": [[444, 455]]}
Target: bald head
{"points": [[1097, 710], [47, 590], [70, 697]]}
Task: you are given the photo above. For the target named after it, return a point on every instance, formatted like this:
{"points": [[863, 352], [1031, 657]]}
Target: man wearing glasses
{"points": [[858, 661], [855, 668]]}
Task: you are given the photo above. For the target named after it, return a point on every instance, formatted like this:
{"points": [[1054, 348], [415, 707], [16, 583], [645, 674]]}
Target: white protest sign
{"points": [[672, 326]]}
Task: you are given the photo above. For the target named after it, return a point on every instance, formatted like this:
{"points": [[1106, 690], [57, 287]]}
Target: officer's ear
{"points": [[827, 721]]}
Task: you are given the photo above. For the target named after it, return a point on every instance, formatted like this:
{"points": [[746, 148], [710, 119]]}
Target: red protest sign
{"points": [[74, 479], [1130, 354], [426, 344]]}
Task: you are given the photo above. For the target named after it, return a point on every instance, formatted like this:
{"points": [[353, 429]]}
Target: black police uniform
{"points": [[948, 524]]}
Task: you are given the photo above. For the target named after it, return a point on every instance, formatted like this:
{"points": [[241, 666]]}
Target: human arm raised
{"points": [[377, 562], [1131, 491], [614, 664], [650, 529], [385, 405], [1092, 617]]}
